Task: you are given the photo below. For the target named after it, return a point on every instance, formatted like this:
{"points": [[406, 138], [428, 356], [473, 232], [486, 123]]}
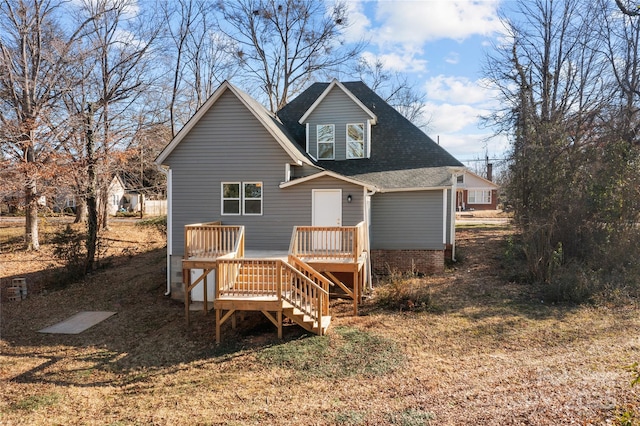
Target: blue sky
{"points": [[440, 45]]}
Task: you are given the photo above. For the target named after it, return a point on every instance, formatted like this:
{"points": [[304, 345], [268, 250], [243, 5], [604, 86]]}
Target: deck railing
{"points": [[271, 278], [211, 240], [315, 276], [328, 242]]}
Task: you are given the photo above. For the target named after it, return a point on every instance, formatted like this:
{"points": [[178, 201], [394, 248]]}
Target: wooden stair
{"points": [[274, 287], [305, 321]]}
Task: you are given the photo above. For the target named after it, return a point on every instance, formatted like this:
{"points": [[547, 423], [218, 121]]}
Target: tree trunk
{"points": [[32, 241], [81, 210], [92, 222]]}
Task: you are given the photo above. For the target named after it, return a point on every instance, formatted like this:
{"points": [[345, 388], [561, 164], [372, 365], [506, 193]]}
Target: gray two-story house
{"points": [[336, 155]]}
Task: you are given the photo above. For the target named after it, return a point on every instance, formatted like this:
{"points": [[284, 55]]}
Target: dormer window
{"points": [[355, 140], [326, 141]]}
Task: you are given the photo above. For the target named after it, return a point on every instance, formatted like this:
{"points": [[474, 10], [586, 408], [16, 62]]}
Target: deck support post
{"points": [[206, 273], [279, 315], [221, 319], [186, 282], [277, 321], [356, 292], [218, 315]]}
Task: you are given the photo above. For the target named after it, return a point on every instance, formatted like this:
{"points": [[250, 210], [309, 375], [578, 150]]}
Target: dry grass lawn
{"points": [[487, 352]]}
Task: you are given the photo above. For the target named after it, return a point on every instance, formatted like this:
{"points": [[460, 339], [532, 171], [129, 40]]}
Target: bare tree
{"points": [[621, 36], [553, 88], [395, 89], [199, 57], [35, 55], [282, 45], [120, 44], [629, 8]]}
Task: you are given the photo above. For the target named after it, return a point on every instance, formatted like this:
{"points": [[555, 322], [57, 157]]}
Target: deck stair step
{"points": [[249, 278], [303, 320]]}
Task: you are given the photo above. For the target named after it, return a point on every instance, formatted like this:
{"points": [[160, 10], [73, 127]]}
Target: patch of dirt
{"points": [[488, 352]]}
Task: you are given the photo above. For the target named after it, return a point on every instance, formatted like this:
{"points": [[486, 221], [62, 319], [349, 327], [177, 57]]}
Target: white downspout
{"points": [[367, 207], [167, 173]]}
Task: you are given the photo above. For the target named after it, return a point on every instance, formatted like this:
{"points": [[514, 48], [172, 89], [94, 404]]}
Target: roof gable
{"points": [[336, 84], [326, 173], [270, 123], [402, 155], [473, 180]]}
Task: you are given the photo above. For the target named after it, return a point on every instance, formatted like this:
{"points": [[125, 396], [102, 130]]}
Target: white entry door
{"points": [[327, 207]]}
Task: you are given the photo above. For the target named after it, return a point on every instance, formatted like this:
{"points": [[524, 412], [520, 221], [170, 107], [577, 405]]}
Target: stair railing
{"points": [[304, 294], [315, 276]]}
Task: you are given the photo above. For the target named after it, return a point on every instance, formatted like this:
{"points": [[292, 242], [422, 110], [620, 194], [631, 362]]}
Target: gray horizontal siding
{"points": [[338, 109], [228, 144], [407, 220], [352, 213]]}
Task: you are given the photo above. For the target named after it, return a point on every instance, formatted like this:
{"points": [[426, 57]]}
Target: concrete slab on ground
{"points": [[78, 322]]}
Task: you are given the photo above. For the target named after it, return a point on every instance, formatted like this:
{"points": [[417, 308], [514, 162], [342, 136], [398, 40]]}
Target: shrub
{"points": [[69, 247], [572, 283], [158, 222], [403, 292]]}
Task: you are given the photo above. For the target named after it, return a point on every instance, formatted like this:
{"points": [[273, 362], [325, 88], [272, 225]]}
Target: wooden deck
{"points": [[294, 285], [335, 249]]}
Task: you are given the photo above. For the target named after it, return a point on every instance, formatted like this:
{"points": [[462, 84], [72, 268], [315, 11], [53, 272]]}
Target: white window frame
{"points": [[350, 141], [223, 199], [332, 142], [485, 196], [242, 199], [245, 199]]}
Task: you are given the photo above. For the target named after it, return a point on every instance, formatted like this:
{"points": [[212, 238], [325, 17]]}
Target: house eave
{"points": [[414, 189], [324, 173], [280, 137]]}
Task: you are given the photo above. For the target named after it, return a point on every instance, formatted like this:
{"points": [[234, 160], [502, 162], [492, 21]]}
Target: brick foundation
{"points": [[409, 261]]}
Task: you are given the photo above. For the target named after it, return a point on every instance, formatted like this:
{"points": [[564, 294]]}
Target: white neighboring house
{"points": [[120, 198], [475, 192]]}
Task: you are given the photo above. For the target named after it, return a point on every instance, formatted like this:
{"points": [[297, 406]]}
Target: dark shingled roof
{"points": [[402, 155]]}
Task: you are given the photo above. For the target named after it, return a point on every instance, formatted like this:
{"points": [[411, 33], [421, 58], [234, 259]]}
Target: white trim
{"points": [[333, 141], [368, 139], [452, 212], [244, 199], [330, 87], [169, 226], [444, 217], [348, 140], [308, 128], [326, 173], [482, 201], [313, 202], [287, 172], [425, 188], [258, 111], [222, 198]]}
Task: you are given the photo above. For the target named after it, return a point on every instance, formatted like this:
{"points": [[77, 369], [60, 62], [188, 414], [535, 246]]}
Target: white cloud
{"points": [[470, 146], [452, 58], [357, 22], [402, 62], [458, 90], [449, 118], [417, 22]]}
